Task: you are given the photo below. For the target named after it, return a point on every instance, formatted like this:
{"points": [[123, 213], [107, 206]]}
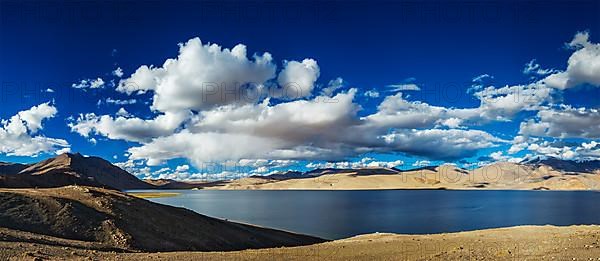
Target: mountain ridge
{"points": [[8, 168], [589, 166], [76, 169], [73, 169], [498, 175]]}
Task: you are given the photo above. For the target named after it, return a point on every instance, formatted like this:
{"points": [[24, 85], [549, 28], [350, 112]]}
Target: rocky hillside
{"points": [[7, 168], [113, 220], [71, 169]]}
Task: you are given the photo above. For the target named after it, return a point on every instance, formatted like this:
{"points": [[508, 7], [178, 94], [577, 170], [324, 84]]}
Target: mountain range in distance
{"points": [[540, 174]]}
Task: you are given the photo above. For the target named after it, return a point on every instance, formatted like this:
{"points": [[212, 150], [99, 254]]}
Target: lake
{"points": [[342, 214]]}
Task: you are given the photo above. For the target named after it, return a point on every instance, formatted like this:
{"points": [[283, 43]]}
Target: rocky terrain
{"points": [[96, 218], [68, 169], [515, 243], [7, 168]]}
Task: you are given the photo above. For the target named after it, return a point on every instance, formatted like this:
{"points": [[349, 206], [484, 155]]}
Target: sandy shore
{"points": [[515, 243]]}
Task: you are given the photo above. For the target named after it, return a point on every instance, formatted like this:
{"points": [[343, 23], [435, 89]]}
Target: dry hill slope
{"points": [[515, 243], [70, 169], [113, 220]]}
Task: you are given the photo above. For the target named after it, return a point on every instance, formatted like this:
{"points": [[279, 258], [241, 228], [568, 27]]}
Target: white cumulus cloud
{"points": [[583, 65], [19, 134], [127, 128], [201, 77], [564, 122], [297, 79]]}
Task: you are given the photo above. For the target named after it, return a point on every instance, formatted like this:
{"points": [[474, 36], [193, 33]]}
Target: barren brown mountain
{"points": [[7, 168], [70, 169], [551, 174]]}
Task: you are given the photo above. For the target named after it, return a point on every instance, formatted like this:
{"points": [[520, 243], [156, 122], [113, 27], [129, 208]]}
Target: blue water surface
{"points": [[341, 214]]}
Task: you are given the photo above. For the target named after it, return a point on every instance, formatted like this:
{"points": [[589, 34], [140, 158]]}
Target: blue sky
{"points": [[440, 47]]}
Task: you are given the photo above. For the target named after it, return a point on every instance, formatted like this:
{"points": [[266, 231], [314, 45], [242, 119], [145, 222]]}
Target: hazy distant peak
{"points": [[566, 165]]}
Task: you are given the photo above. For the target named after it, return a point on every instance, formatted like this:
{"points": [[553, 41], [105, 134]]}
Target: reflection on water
{"points": [[341, 214]]}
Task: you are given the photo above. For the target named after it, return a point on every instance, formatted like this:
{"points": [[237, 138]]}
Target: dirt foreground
{"points": [[515, 243]]}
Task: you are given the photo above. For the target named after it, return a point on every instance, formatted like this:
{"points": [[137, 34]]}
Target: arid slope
{"points": [[109, 219], [70, 169], [515, 243]]}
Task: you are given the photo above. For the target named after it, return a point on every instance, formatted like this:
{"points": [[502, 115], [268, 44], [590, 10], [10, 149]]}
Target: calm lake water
{"points": [[341, 214]]}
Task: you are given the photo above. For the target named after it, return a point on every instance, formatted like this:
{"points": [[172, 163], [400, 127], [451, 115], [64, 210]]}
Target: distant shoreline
{"points": [[500, 176], [153, 194], [134, 191]]}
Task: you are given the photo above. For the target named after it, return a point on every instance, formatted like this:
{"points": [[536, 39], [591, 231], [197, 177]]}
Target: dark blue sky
{"points": [[443, 45]]}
